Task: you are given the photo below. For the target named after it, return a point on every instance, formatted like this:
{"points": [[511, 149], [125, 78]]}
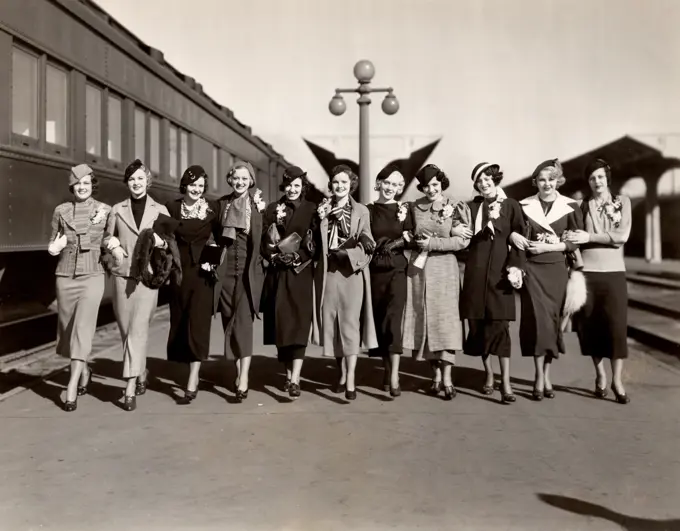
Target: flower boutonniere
{"points": [[495, 208], [259, 202], [445, 213], [547, 237], [612, 209], [401, 211], [324, 208], [280, 213], [98, 216]]}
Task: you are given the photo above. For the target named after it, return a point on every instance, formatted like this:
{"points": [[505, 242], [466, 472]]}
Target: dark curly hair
{"points": [[183, 186], [492, 171], [353, 177], [429, 172], [95, 186]]}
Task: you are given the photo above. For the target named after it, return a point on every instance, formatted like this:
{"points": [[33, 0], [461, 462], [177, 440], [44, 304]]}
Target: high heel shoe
{"points": [[620, 398], [537, 394], [600, 392], [286, 385], [82, 389], [450, 392], [140, 386], [395, 391], [189, 396], [351, 395], [129, 403], [487, 390], [339, 388], [549, 393], [435, 388], [241, 395], [294, 390], [70, 405], [507, 398]]}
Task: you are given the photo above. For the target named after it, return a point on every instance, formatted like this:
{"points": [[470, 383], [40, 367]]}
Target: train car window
{"points": [[93, 121], [24, 93], [115, 134], [56, 108], [184, 150], [155, 144], [215, 168], [140, 134], [172, 152]]}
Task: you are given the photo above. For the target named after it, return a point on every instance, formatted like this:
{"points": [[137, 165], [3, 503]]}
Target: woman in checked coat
{"points": [[433, 329], [287, 302], [488, 299], [77, 231]]}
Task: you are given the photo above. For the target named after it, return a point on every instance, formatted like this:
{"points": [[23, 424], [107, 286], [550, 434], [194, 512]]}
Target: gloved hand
{"points": [[57, 245], [286, 259], [119, 255], [393, 245], [367, 243], [112, 243], [158, 241]]}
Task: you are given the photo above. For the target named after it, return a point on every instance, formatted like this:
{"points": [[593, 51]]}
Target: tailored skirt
{"points": [[134, 305], [78, 300], [341, 314], [488, 336], [602, 324]]}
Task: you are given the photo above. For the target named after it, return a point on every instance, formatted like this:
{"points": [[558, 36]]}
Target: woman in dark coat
{"points": [[239, 274], [547, 215], [389, 220], [287, 302], [191, 302], [488, 300]]}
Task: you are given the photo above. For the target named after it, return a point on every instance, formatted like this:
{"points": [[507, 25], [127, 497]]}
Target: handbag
{"points": [[290, 244]]}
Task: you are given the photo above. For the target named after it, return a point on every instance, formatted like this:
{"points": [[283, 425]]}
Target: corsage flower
{"points": [[401, 211], [280, 213], [547, 237], [495, 208], [445, 213], [98, 216], [257, 199], [324, 208], [612, 209]]}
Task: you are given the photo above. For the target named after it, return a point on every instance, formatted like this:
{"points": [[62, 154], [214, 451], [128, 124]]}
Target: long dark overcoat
{"points": [[287, 303], [487, 293]]}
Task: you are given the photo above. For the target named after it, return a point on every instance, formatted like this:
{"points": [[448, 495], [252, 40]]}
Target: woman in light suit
{"points": [[77, 230], [346, 309], [133, 303]]}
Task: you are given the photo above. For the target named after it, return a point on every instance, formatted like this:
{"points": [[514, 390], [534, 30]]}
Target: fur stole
{"points": [[153, 266]]}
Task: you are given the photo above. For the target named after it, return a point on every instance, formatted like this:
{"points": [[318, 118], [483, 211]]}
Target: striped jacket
{"points": [[74, 261]]}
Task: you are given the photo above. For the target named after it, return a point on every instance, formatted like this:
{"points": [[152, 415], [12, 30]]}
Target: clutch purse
{"points": [[290, 244]]}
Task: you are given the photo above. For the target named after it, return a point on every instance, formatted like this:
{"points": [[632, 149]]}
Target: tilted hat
{"points": [[293, 172], [78, 172], [133, 167], [427, 173], [193, 174], [551, 163]]}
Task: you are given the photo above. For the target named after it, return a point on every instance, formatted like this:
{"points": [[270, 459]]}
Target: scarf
{"points": [[82, 212], [236, 216], [338, 228]]}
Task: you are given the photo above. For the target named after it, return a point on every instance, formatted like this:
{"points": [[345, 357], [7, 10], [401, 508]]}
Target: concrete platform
{"points": [[321, 463]]}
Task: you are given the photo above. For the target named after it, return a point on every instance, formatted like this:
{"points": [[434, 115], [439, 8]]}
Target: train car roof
{"points": [[154, 59]]}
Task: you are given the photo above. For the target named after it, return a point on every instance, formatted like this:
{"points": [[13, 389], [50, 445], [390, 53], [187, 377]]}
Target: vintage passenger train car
{"points": [[76, 86]]}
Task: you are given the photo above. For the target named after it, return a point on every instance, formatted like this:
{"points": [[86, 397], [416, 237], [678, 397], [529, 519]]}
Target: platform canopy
{"points": [[626, 156]]}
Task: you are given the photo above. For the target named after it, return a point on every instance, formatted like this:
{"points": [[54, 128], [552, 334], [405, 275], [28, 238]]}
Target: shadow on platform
{"points": [[267, 375], [630, 523]]}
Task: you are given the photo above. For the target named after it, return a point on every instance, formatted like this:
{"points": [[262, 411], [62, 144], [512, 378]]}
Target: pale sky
{"points": [[509, 81]]}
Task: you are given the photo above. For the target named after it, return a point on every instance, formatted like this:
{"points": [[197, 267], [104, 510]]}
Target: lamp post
{"points": [[364, 72]]}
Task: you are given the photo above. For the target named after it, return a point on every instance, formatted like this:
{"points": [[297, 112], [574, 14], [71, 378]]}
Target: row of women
{"points": [[382, 278]]}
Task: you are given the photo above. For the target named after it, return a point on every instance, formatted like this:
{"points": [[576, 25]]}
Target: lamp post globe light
{"points": [[364, 72]]}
